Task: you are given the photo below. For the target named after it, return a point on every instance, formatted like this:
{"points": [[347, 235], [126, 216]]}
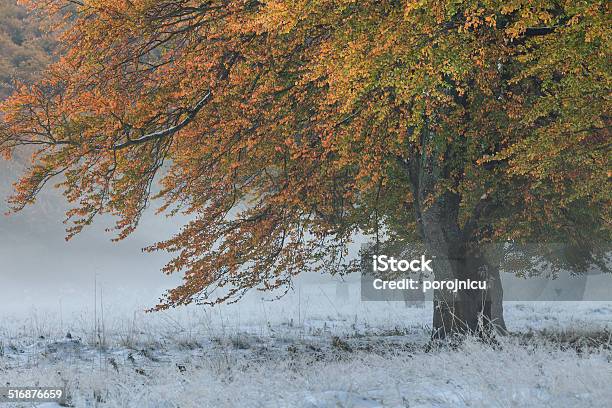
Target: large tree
{"points": [[285, 127]]}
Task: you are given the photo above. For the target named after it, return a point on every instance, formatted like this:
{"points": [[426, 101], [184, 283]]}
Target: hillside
{"points": [[24, 48]]}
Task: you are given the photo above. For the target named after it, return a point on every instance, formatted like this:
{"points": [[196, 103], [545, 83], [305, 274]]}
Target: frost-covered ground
{"points": [[314, 348]]}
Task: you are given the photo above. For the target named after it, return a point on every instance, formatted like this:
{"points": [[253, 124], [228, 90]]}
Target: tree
{"points": [[285, 127]]}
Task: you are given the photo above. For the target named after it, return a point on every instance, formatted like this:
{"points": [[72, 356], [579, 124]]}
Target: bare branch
{"points": [[160, 134]]}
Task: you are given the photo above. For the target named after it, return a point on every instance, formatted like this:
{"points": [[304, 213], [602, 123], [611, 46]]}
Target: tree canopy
{"points": [[285, 127]]}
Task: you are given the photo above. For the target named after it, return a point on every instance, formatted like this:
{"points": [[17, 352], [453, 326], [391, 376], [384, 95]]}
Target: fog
{"points": [[40, 270]]}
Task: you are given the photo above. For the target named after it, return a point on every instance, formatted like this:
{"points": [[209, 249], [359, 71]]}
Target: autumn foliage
{"points": [[285, 127]]}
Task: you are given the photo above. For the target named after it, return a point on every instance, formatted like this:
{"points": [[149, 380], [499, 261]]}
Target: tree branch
{"points": [[160, 134]]}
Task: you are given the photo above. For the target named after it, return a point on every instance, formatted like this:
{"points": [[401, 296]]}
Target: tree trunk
{"points": [[470, 311], [463, 311], [466, 311]]}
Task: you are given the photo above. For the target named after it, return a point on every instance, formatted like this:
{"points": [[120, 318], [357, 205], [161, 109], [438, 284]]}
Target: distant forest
{"points": [[24, 48]]}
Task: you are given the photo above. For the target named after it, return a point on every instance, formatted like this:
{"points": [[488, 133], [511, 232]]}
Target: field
{"points": [[313, 349]]}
